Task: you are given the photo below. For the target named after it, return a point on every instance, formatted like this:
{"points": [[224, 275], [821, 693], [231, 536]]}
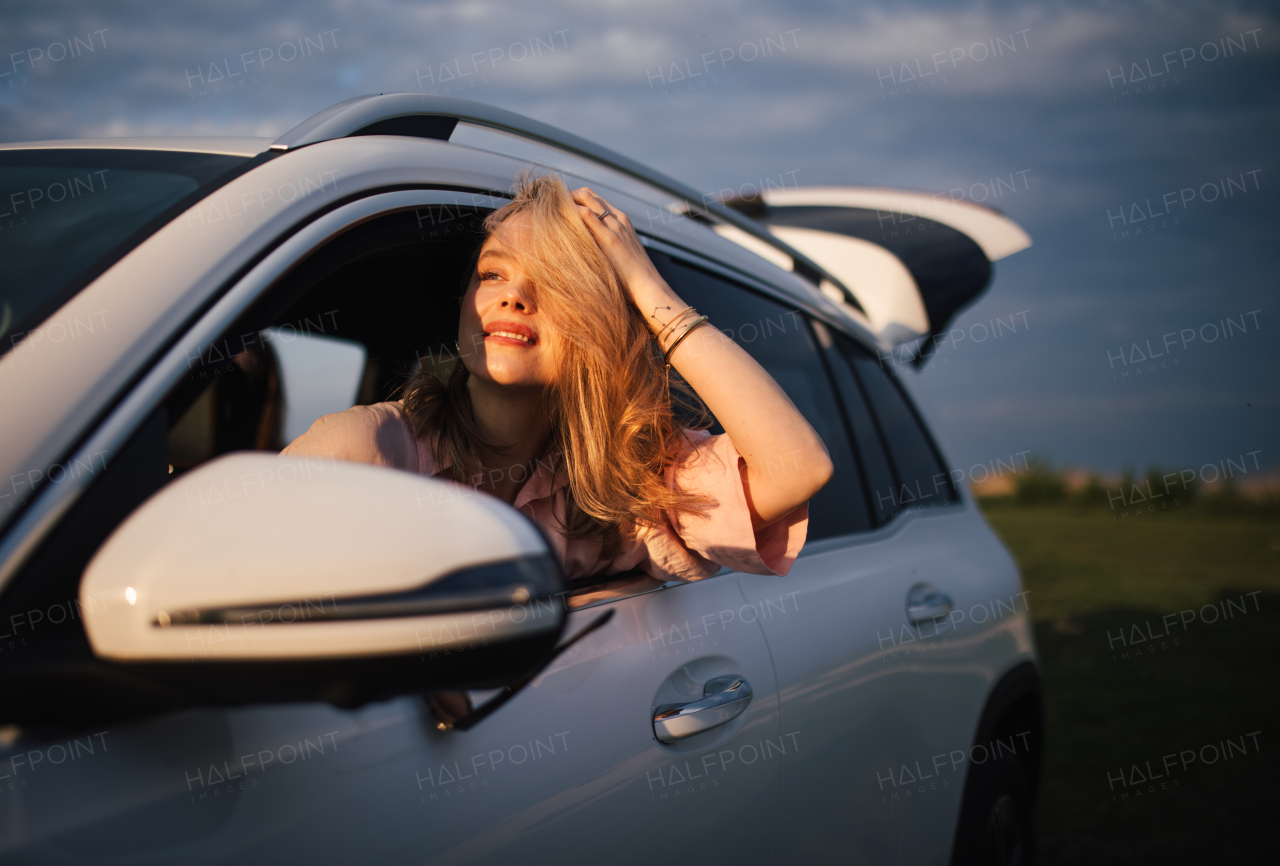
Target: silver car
{"points": [[210, 653]]}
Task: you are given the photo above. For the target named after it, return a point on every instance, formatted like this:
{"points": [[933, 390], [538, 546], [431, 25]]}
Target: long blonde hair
{"points": [[610, 406]]}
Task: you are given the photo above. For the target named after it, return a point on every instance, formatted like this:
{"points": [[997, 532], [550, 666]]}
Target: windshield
{"points": [[68, 215]]}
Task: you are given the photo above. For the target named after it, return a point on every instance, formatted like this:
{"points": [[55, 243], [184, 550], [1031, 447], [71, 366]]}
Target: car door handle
{"points": [[724, 699], [927, 602]]}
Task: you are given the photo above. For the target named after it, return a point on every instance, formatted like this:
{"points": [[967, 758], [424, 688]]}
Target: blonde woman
{"points": [[560, 406]]}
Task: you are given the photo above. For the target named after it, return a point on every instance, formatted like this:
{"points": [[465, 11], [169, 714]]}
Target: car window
{"points": [[67, 215], [347, 327], [780, 339], [868, 441], [920, 480]]}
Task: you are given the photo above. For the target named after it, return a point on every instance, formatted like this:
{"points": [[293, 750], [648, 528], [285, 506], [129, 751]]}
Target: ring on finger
{"points": [[601, 216]]}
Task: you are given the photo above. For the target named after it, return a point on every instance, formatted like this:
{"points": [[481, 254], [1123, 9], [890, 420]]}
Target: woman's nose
{"points": [[517, 296]]}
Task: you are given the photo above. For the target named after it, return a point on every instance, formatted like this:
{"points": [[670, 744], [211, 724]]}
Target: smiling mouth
{"points": [[517, 332], [511, 336]]}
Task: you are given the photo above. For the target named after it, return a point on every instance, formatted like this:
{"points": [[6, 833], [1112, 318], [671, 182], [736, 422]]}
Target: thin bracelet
{"points": [[666, 356], [672, 323], [660, 336]]}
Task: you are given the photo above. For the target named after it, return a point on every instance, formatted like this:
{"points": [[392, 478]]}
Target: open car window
{"points": [[347, 327]]}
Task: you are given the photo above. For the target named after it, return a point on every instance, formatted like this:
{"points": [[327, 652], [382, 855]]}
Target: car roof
{"points": [[224, 145]]}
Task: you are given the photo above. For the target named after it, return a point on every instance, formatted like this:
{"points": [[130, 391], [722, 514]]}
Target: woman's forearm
{"points": [[786, 461]]}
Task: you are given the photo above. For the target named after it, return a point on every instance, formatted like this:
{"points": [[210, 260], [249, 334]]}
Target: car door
{"points": [[875, 696], [568, 766]]}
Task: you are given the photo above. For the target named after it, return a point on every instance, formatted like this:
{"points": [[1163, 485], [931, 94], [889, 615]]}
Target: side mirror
{"points": [[257, 578]]}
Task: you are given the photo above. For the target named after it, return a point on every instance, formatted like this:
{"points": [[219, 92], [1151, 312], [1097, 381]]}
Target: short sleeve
{"points": [[376, 434], [722, 533]]}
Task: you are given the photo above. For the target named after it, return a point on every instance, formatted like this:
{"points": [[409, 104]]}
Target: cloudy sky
{"points": [[1102, 111]]}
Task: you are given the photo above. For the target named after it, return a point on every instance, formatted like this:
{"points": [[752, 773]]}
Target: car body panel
{"points": [[566, 764], [874, 693], [998, 235], [942, 248], [877, 277]]}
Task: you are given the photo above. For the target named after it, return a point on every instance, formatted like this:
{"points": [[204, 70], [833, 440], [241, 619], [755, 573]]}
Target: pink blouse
{"points": [[687, 547]]}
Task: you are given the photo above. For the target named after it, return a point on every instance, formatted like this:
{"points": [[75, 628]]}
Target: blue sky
{"points": [[820, 93]]}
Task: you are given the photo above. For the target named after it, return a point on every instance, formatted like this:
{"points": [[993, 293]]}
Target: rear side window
{"points": [[919, 478], [780, 339], [68, 215], [872, 458]]}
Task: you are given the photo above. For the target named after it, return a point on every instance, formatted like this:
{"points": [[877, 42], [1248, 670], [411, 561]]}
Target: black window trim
{"points": [[825, 356], [880, 434], [934, 450]]}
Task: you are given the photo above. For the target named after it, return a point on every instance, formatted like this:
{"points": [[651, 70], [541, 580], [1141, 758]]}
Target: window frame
{"points": [[825, 352], [155, 378], [914, 411]]}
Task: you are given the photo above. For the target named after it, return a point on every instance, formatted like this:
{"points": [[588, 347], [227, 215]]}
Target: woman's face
{"points": [[503, 336]]}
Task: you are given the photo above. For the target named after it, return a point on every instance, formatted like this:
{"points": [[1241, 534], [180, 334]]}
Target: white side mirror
{"points": [[318, 571]]}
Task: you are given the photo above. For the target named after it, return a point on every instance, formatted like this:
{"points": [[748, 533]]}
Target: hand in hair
{"points": [[620, 243], [760, 419]]}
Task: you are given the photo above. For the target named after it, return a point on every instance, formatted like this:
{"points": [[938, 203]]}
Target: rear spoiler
{"points": [[912, 260]]}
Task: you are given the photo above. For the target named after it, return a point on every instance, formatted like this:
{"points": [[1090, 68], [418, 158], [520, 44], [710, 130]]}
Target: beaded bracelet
{"points": [[666, 356]]}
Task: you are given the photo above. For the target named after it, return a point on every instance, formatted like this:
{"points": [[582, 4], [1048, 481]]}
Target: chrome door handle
{"points": [[724, 700], [927, 602]]}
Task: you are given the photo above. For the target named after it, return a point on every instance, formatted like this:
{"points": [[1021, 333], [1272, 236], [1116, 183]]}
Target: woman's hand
{"points": [[649, 291]]}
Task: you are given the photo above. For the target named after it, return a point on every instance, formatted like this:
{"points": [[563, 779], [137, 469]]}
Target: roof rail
{"points": [[372, 115]]}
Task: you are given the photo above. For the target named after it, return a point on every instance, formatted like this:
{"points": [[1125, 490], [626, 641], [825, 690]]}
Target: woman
{"points": [[560, 407]]}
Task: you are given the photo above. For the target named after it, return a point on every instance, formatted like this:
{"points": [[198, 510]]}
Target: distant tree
{"points": [[1172, 484], [1093, 493], [1226, 499], [1039, 484]]}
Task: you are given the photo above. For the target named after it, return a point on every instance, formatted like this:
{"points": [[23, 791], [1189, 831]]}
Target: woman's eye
{"points": [[489, 275]]}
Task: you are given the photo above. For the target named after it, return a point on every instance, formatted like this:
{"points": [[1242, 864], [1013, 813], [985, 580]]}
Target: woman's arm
{"points": [[761, 421]]}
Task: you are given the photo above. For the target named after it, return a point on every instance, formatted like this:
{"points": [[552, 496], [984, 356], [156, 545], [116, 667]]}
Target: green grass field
{"points": [[1170, 689]]}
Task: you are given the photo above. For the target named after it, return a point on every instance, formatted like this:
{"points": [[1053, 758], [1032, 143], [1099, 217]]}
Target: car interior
{"points": [[240, 391]]}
